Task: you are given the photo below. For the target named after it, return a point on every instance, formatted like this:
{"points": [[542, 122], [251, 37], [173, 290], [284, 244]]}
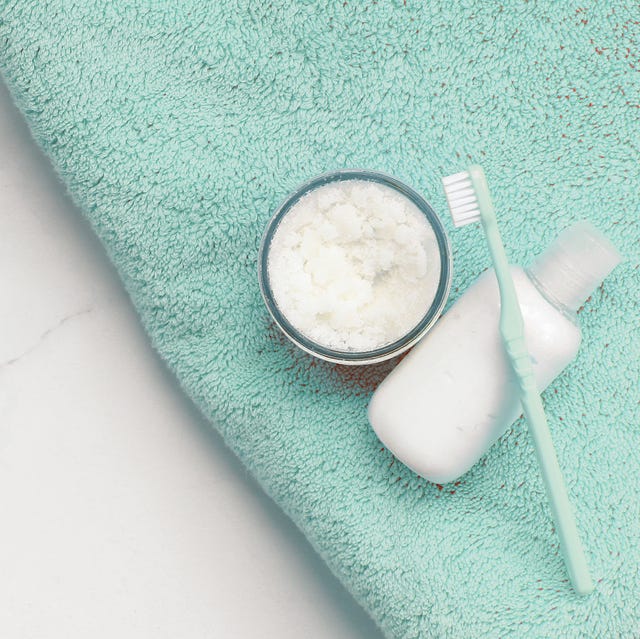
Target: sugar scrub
{"points": [[354, 265]]}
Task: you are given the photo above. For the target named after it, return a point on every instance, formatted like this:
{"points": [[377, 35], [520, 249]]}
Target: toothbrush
{"points": [[469, 201]]}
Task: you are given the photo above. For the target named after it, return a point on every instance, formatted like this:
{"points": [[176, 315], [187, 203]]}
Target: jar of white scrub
{"points": [[354, 267]]}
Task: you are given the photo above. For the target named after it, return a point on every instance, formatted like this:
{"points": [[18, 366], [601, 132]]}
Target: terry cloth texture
{"points": [[179, 127]]}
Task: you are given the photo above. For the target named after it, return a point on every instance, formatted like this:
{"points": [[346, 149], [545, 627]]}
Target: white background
{"points": [[121, 512]]}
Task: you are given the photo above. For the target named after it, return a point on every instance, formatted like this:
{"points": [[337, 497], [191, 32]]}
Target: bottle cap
{"points": [[575, 264]]}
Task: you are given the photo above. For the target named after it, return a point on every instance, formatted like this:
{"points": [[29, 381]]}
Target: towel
{"points": [[178, 127]]}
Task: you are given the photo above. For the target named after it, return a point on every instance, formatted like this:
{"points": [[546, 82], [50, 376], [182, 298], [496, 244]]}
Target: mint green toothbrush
{"points": [[469, 201]]}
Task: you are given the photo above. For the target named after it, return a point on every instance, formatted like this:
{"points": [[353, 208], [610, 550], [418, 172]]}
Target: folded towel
{"points": [[178, 128]]}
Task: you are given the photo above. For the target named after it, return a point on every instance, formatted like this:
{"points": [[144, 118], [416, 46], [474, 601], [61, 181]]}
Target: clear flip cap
{"points": [[575, 264]]}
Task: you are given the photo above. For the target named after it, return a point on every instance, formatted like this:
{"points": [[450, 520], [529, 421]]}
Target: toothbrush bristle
{"points": [[461, 198]]}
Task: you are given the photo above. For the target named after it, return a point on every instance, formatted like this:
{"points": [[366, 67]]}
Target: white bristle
{"points": [[450, 179], [461, 198], [462, 209], [468, 198]]}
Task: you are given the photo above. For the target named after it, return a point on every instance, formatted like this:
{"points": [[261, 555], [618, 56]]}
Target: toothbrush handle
{"points": [[551, 474]]}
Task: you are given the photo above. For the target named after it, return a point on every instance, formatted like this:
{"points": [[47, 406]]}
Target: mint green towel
{"points": [[179, 126]]}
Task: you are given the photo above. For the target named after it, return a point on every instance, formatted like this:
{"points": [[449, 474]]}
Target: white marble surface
{"points": [[123, 515]]}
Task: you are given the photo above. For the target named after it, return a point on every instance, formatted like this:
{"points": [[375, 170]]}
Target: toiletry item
{"points": [[467, 207], [456, 392], [417, 411], [355, 267], [351, 265]]}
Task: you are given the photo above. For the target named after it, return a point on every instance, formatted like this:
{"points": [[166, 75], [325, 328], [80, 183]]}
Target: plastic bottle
{"points": [[444, 405]]}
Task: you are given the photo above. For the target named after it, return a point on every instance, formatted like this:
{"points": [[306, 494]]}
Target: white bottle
{"points": [[444, 405]]}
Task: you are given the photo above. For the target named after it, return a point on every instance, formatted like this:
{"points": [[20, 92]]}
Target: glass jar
{"points": [[387, 351]]}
